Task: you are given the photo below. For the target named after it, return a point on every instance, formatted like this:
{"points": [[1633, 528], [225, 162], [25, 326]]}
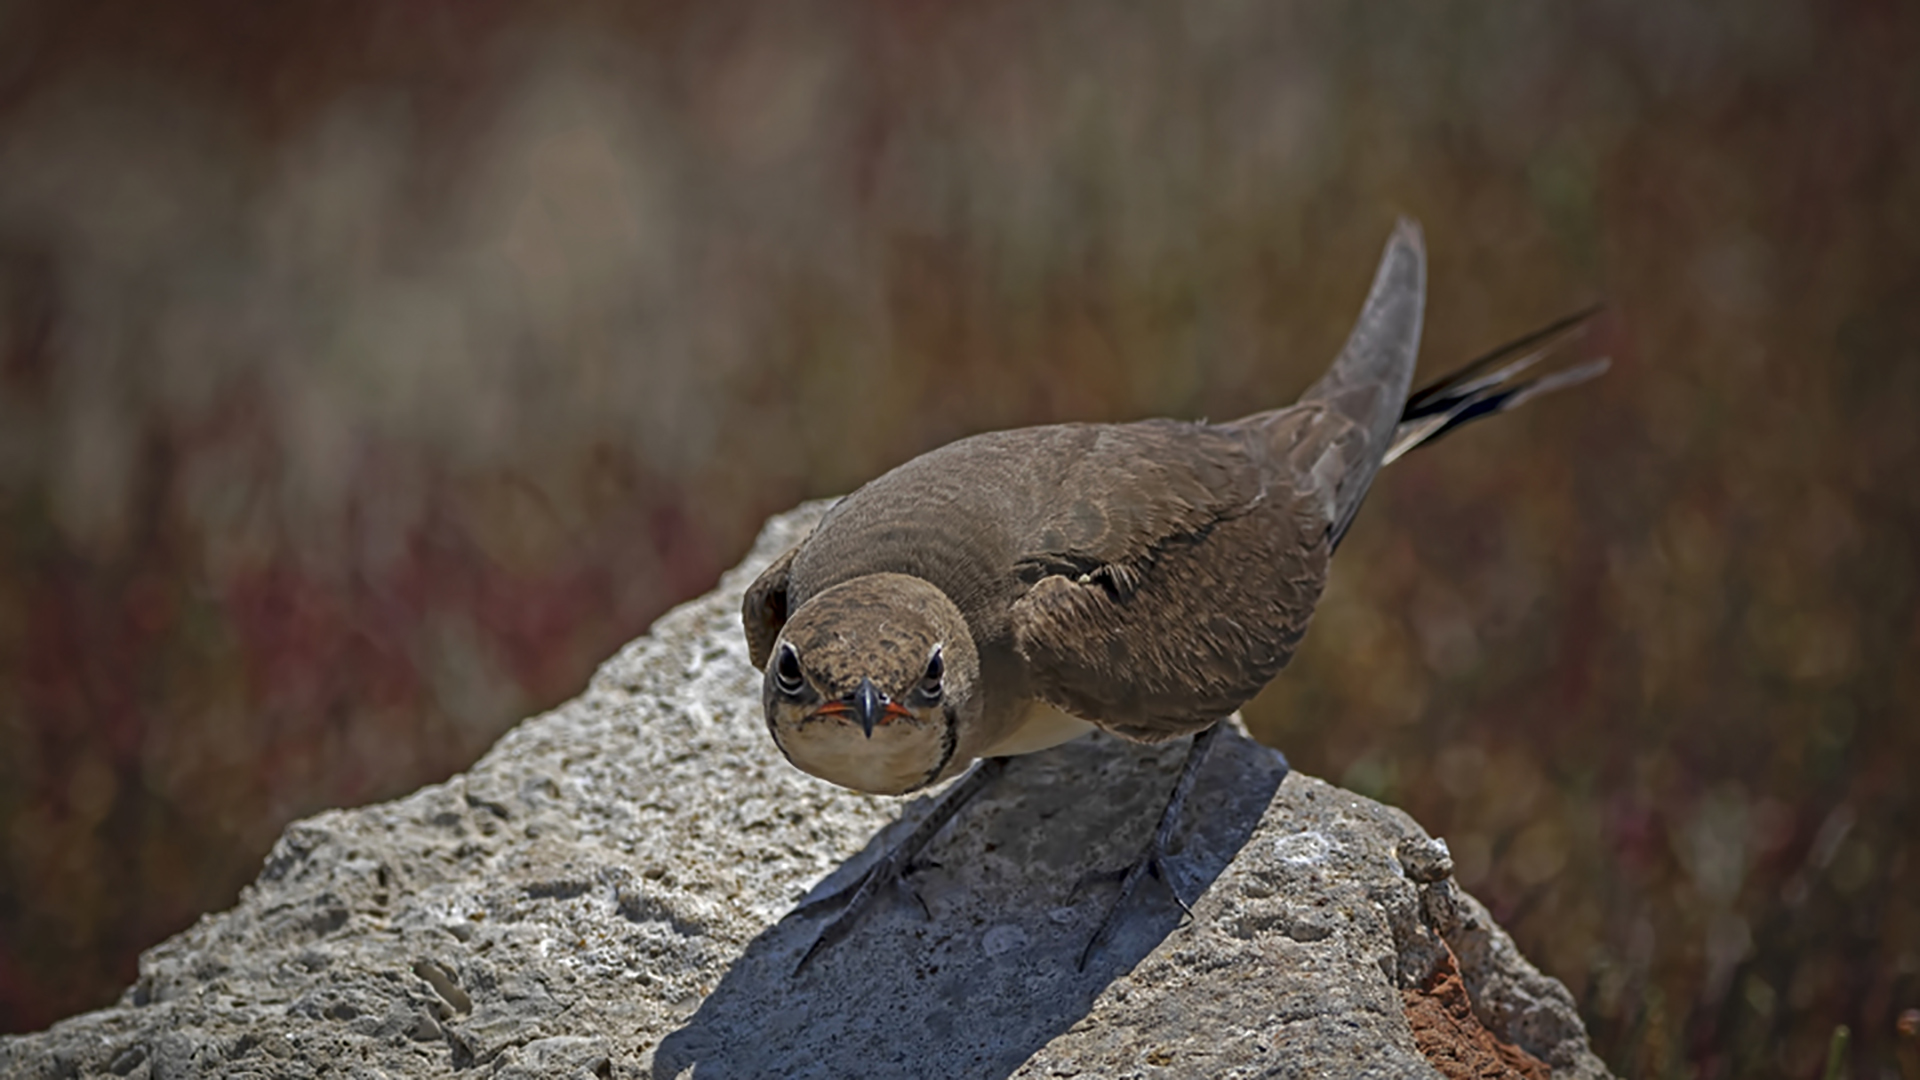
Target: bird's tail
{"points": [[1486, 387]]}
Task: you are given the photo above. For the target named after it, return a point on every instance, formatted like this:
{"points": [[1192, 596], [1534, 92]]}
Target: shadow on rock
{"points": [[988, 978]]}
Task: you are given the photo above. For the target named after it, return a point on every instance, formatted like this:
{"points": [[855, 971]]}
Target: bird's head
{"points": [[871, 683]]}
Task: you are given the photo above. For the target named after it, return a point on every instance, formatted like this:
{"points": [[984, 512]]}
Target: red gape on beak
{"points": [[867, 704]]}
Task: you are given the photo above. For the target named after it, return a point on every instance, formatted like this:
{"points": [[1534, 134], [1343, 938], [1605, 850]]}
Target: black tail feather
{"points": [[1439, 395], [1473, 391]]}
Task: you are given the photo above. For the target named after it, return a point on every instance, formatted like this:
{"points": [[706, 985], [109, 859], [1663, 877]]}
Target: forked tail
{"points": [[1486, 387]]}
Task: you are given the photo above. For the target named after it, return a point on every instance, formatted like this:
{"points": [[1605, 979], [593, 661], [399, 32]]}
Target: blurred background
{"points": [[371, 370]]}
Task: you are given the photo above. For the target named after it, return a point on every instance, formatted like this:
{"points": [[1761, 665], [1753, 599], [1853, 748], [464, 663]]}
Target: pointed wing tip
{"points": [[1404, 262], [1407, 245], [1406, 230], [1401, 273]]}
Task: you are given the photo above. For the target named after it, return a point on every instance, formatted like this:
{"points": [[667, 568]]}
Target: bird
{"points": [[1013, 590]]}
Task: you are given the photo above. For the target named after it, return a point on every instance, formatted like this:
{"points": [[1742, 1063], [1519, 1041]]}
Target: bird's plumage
{"points": [[1367, 383], [1147, 577]]}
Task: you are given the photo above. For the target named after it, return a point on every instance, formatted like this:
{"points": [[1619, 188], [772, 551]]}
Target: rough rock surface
{"points": [[611, 892]]}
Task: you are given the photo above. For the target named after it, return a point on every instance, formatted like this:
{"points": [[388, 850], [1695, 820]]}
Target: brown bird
{"points": [[1013, 590]]}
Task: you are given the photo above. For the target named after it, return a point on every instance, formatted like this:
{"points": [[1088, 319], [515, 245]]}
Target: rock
{"points": [[611, 892]]}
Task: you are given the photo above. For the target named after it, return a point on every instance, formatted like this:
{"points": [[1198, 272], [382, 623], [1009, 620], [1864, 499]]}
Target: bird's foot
{"points": [[875, 874], [1155, 859], [1164, 868], [895, 867], [854, 902]]}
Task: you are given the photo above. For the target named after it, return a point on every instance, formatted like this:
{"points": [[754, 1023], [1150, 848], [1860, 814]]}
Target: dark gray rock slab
{"points": [[611, 892]]}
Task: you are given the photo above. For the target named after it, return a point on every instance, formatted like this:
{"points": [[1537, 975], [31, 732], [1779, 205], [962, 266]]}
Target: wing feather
{"points": [[1173, 581], [764, 609]]}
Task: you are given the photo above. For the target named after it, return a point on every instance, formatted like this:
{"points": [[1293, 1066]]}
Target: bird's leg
{"points": [[893, 867], [1154, 860]]}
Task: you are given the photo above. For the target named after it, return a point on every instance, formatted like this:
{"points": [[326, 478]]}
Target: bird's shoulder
{"points": [[1135, 487], [972, 512]]}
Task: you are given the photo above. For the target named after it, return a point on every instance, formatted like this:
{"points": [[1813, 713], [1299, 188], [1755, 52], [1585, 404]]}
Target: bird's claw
{"points": [[841, 896], [1154, 858], [899, 863], [836, 898], [1095, 877], [1165, 868], [855, 900], [905, 886]]}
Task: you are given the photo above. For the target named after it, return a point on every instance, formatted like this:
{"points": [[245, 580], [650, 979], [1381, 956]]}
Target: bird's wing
{"points": [[1367, 384], [1181, 569], [1175, 574], [764, 610]]}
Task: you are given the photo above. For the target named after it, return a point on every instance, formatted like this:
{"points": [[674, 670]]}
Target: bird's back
{"points": [[982, 518], [965, 514], [1150, 576]]}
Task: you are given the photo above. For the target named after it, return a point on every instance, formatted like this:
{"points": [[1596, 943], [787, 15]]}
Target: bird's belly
{"points": [[1043, 726]]}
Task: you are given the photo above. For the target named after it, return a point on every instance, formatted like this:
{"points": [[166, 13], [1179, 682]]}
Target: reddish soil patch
{"points": [[1453, 1038]]}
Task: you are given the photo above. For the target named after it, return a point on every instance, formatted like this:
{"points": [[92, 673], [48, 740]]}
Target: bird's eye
{"points": [[786, 671], [930, 682]]}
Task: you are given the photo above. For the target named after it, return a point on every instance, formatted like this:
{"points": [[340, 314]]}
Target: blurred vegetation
{"points": [[369, 371]]}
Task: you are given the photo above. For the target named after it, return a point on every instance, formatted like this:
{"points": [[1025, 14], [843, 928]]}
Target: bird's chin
{"points": [[894, 761]]}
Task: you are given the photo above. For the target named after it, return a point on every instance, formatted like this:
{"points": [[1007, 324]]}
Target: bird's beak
{"points": [[867, 703]]}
